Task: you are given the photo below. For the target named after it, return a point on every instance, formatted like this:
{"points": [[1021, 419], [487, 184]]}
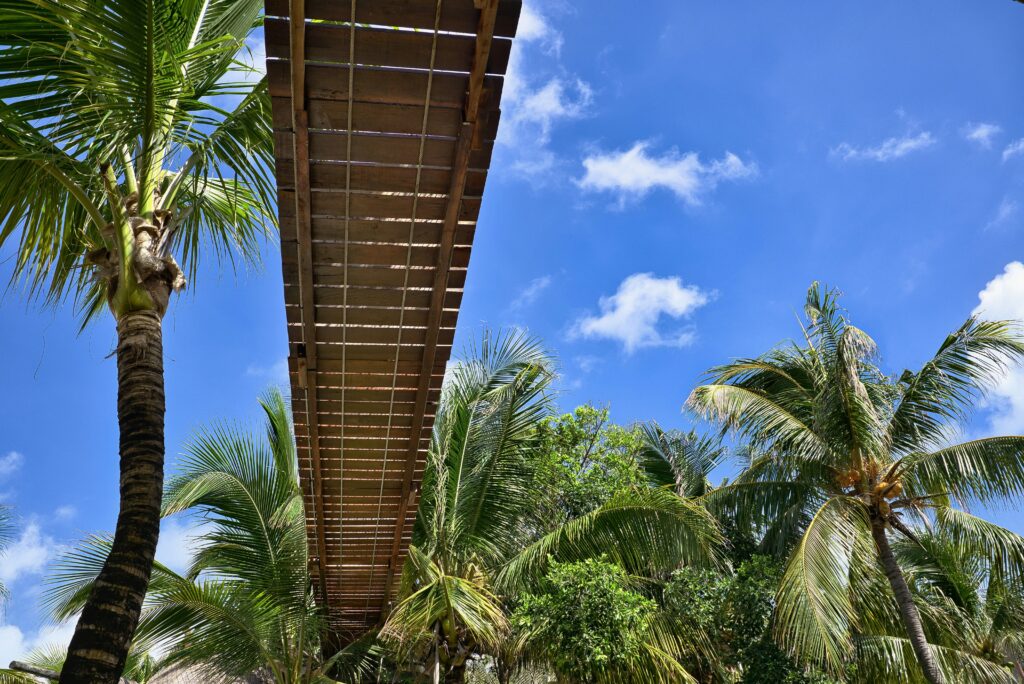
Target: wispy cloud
{"points": [[276, 373], [27, 555], [65, 513], [1013, 149], [534, 106], [633, 173], [10, 463], [981, 133], [529, 294], [633, 314], [1003, 299], [888, 150], [1006, 212]]}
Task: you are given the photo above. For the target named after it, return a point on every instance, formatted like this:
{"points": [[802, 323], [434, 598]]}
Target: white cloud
{"points": [[65, 513], [631, 315], [887, 150], [1003, 299], [1006, 211], [982, 133], [1013, 149], [534, 27], [635, 172], [27, 556], [533, 106], [10, 463], [529, 294], [16, 645], [276, 373], [177, 543]]}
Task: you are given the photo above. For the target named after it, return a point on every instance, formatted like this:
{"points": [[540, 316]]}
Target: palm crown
{"points": [[128, 131], [847, 454]]}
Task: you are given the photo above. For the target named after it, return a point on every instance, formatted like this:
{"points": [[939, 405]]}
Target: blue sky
{"points": [[665, 188]]}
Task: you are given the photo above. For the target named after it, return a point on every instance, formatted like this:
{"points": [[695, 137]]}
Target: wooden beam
{"points": [[304, 240]]}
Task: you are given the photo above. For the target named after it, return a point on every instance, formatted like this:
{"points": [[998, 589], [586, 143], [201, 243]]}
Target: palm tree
{"points": [[125, 139], [478, 543], [974, 611], [246, 603], [849, 456], [682, 461]]}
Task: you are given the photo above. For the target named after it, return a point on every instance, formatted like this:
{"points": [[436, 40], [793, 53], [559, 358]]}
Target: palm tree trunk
{"points": [[104, 632], [911, 617]]}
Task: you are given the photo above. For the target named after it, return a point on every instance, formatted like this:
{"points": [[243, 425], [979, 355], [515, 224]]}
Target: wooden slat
{"points": [[456, 15], [375, 84], [384, 47]]}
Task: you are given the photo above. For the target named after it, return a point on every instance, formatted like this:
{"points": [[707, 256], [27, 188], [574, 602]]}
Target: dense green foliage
{"points": [[586, 619], [584, 460]]}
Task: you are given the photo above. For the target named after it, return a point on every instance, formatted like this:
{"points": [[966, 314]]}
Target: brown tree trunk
{"points": [[104, 632], [908, 610]]}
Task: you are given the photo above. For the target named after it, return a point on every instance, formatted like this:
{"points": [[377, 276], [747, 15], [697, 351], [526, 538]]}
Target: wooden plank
{"points": [[365, 296], [370, 206], [384, 47], [376, 84], [383, 117], [376, 178], [456, 15]]}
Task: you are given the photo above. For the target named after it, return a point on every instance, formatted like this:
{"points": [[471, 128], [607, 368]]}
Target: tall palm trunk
{"points": [[103, 636], [908, 610]]}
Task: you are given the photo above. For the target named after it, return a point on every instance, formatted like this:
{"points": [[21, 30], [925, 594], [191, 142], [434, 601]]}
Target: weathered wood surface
{"points": [[385, 115]]}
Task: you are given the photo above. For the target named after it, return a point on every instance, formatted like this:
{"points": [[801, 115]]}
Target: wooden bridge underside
{"points": [[385, 114]]}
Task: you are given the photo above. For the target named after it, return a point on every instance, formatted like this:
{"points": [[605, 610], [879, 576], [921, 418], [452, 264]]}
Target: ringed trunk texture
{"points": [[908, 610], [104, 632]]}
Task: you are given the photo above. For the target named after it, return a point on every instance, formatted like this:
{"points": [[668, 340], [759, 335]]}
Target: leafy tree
{"points": [[735, 611], [585, 460], [246, 603], [589, 622], [118, 150], [477, 540], [850, 456]]}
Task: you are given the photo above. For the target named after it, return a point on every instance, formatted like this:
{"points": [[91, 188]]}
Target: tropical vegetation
{"points": [[132, 140], [565, 547]]}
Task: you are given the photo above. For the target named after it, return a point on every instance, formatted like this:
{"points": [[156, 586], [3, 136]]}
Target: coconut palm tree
{"points": [[126, 138], [850, 457], [478, 543], [680, 460], [974, 612], [246, 603]]}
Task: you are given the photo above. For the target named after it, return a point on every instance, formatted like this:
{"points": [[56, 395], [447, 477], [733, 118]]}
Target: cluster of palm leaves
{"points": [[852, 479]]}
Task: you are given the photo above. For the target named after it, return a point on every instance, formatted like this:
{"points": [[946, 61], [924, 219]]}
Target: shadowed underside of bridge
{"points": [[385, 114]]}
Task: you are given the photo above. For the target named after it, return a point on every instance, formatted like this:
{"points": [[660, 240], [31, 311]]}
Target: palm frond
{"points": [[984, 470], [814, 614], [759, 418], [892, 659], [644, 531], [946, 388]]}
